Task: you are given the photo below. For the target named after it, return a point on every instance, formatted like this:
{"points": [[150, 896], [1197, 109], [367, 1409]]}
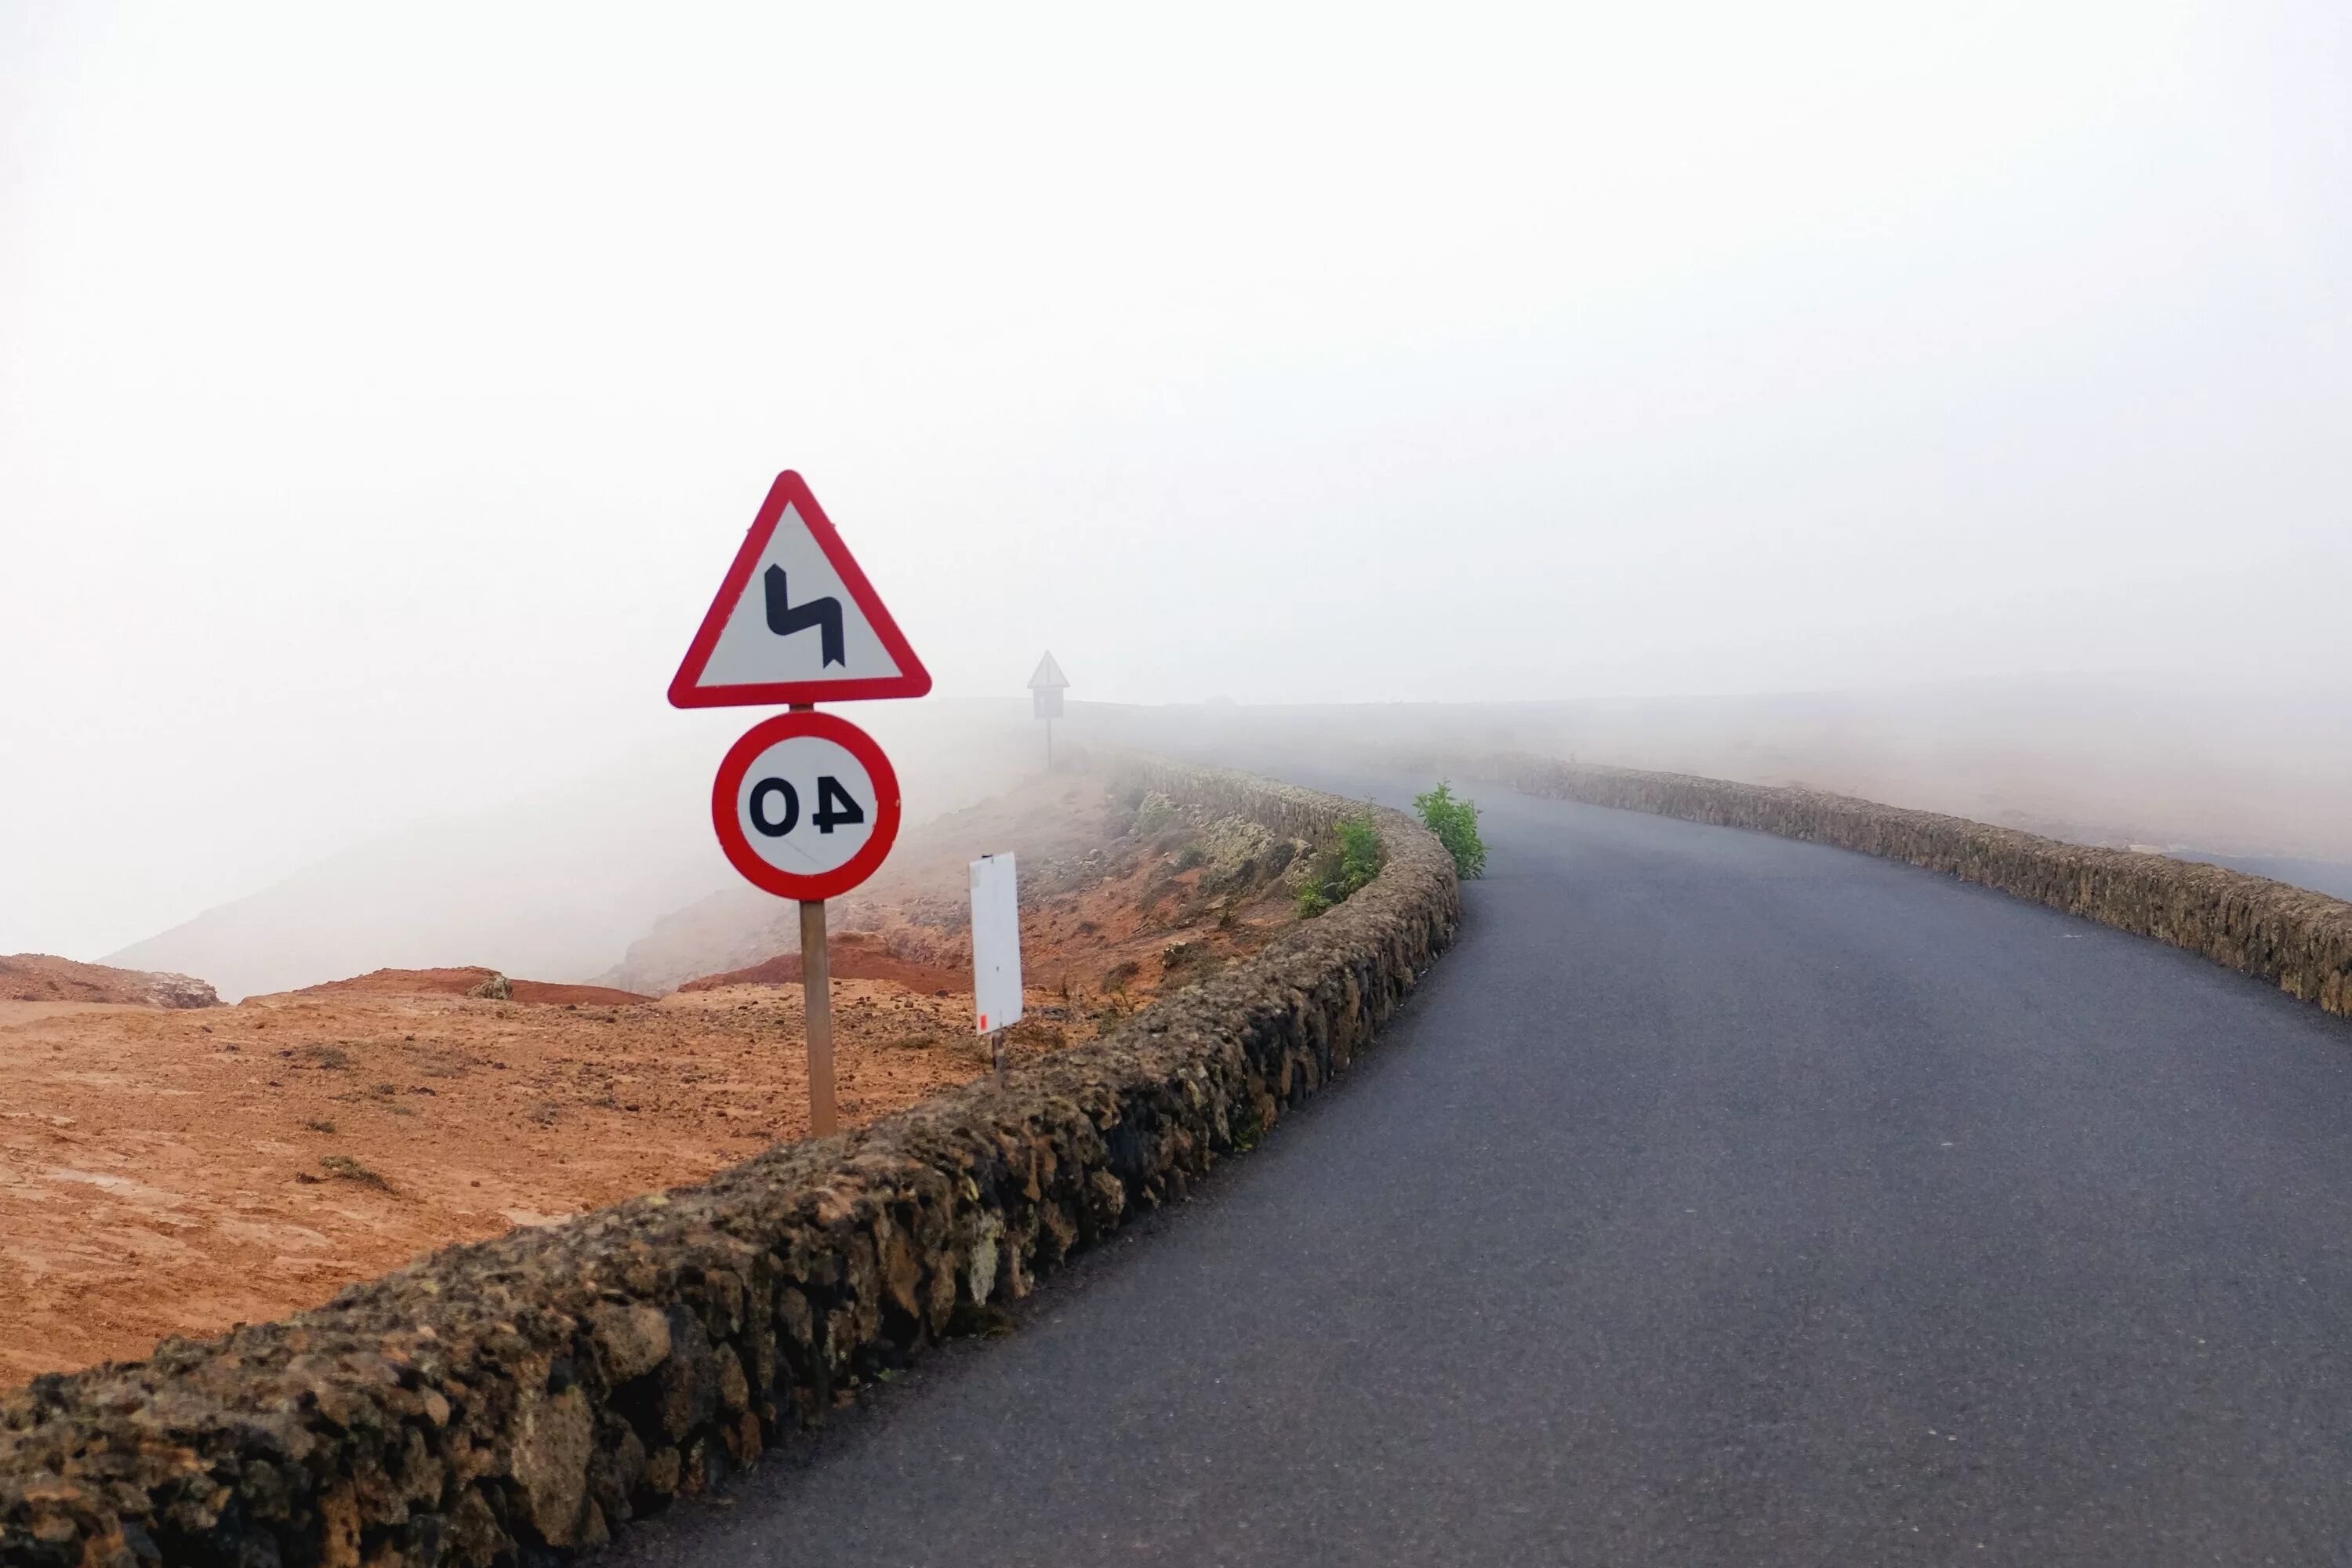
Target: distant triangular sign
{"points": [[1049, 674], [795, 620]]}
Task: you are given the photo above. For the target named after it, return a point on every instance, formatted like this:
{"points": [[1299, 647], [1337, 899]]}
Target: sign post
{"points": [[817, 1008], [805, 804], [816, 1004], [1045, 689]]}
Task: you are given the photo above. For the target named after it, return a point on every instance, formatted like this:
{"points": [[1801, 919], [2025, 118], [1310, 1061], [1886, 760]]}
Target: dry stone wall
{"points": [[520, 1399], [1286, 809], [2297, 940]]}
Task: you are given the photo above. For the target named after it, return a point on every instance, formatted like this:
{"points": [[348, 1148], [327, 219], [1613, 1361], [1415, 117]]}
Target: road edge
{"points": [[2295, 939]]}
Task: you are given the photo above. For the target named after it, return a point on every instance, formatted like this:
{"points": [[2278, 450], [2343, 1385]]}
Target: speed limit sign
{"points": [[806, 805]]}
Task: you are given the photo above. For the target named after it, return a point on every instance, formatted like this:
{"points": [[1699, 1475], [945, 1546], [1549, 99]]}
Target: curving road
{"points": [[1718, 1200]]}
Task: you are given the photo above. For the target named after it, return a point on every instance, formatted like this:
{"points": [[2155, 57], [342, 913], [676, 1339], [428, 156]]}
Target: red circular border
{"points": [[794, 884]]}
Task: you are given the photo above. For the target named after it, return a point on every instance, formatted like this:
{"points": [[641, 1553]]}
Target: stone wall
{"points": [[1284, 808], [2297, 940], [525, 1396]]}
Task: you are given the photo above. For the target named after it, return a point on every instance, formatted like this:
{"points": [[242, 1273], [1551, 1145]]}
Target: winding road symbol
{"points": [[748, 651], [784, 617]]}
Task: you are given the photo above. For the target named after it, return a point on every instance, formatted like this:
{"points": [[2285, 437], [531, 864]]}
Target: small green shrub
{"points": [[1359, 856], [1192, 855], [1339, 868], [1456, 822]]}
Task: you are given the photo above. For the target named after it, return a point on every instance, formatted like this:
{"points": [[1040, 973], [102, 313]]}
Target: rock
{"points": [[632, 1339], [496, 988], [734, 1388], [664, 1470], [1237, 851], [553, 1441], [688, 1381]]}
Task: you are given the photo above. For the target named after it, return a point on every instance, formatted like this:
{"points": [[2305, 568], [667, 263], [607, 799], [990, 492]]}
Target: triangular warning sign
{"points": [[795, 620], [1049, 676]]}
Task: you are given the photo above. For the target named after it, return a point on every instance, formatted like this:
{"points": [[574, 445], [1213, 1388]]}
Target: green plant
{"points": [[1359, 856], [1456, 822], [1338, 869]]}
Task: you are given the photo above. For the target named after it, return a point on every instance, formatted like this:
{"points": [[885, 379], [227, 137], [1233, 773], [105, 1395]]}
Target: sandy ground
{"points": [[179, 1172]]}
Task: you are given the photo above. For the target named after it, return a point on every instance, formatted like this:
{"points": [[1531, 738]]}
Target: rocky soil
{"points": [[171, 1171], [39, 977]]}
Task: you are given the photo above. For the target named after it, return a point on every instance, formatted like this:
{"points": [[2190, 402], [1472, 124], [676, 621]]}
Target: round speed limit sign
{"points": [[806, 805]]}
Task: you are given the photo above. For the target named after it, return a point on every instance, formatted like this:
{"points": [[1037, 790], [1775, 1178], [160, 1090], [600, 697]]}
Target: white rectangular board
{"points": [[995, 944]]}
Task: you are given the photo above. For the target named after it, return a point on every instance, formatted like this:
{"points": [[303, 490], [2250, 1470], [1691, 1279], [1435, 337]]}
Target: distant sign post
{"points": [[1045, 689], [805, 804], [995, 952]]}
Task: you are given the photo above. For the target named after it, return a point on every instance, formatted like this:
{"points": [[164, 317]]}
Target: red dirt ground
{"points": [[856, 955], [460, 982], [41, 977], [178, 1172]]}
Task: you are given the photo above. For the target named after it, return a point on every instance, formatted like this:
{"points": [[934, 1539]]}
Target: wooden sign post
{"points": [[816, 999]]}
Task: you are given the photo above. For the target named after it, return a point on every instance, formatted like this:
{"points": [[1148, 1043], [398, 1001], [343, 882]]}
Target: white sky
{"points": [[382, 390]]}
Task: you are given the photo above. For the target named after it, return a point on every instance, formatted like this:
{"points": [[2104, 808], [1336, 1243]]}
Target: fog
{"points": [[384, 392]]}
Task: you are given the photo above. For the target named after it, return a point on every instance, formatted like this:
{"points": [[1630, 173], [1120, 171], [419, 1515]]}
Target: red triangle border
{"points": [[686, 687]]}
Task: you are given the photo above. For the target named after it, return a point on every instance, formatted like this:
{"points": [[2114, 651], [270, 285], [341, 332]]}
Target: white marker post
{"points": [[995, 953]]}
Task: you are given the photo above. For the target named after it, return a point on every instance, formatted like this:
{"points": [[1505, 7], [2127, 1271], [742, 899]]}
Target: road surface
{"points": [[1718, 1199]]}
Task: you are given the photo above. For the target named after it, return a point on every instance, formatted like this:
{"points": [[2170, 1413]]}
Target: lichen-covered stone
{"points": [[524, 1396], [634, 1339], [554, 1444]]}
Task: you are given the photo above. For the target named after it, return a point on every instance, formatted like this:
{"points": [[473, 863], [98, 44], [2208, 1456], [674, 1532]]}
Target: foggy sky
{"points": [[383, 392]]}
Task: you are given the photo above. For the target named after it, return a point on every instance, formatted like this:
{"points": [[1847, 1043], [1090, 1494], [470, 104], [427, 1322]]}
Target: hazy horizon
{"points": [[382, 395]]}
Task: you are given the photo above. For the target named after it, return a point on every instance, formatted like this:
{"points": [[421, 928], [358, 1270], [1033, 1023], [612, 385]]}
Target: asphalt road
{"points": [[1718, 1200]]}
